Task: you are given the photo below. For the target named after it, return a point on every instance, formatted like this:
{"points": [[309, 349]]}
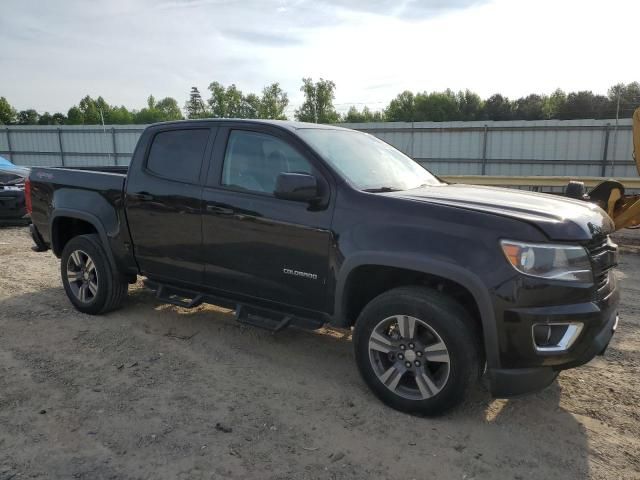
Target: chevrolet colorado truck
{"points": [[295, 224]]}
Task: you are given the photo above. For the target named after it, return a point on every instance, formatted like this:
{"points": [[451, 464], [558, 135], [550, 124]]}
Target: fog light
{"points": [[555, 337], [541, 334]]}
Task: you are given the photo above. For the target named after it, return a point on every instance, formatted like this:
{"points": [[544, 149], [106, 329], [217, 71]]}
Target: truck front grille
{"points": [[604, 257]]}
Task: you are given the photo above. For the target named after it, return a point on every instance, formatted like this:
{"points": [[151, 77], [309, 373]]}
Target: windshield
{"points": [[367, 162]]}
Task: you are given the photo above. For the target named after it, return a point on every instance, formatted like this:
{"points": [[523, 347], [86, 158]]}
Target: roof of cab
{"points": [[286, 124]]}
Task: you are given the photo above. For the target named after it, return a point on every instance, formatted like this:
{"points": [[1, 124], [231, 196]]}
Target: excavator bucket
{"points": [[626, 208], [610, 194]]}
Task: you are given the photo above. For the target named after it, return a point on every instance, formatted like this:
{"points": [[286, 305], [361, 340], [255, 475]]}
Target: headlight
{"points": [[557, 262]]}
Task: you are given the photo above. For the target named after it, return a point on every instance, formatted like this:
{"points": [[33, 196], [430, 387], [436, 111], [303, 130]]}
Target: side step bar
{"points": [[272, 324], [260, 317], [179, 297]]}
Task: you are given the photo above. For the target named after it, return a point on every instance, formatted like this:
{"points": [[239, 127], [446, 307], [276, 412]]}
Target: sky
{"points": [[52, 53]]}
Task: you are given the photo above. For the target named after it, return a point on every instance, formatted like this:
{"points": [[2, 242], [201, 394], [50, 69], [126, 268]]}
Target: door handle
{"points": [[144, 196], [218, 210]]}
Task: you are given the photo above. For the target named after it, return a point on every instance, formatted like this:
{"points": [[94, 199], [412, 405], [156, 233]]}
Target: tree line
{"points": [[318, 107]]}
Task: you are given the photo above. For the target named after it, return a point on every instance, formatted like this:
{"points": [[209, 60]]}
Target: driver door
{"points": [[256, 245]]}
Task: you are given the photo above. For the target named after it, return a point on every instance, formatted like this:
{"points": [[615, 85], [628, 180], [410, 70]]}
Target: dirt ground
{"points": [[154, 391]]}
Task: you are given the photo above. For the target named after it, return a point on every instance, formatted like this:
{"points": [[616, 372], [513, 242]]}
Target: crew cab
{"points": [[295, 224]]}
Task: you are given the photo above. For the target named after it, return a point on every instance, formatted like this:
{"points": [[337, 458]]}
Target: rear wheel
{"points": [[89, 280], [416, 349]]}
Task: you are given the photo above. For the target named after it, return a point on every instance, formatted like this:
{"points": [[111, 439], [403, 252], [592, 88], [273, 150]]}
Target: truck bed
{"points": [[98, 190], [120, 169], [101, 179]]}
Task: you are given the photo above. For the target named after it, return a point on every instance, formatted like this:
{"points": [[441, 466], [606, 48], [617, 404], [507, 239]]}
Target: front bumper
{"points": [[12, 205], [524, 368], [507, 382]]}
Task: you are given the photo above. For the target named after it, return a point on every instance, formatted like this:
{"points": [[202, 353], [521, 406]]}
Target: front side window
{"points": [[367, 162], [177, 154], [254, 160]]}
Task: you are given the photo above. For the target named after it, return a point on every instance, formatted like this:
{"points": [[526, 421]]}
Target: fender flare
{"points": [[431, 266], [84, 216]]}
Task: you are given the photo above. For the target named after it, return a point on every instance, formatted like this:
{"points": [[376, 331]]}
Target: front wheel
{"points": [[417, 350], [91, 283]]}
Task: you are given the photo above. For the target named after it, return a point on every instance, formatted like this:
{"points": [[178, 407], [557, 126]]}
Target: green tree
{"points": [[250, 106], [553, 104], [624, 98], [56, 119], [7, 112], [318, 104], [169, 109], [530, 107], [273, 102], [119, 116], [195, 106], [470, 106], [158, 111], [75, 116], [585, 104], [353, 115], [45, 119], [91, 114], [436, 106], [402, 108], [377, 116], [497, 107], [28, 117], [226, 102]]}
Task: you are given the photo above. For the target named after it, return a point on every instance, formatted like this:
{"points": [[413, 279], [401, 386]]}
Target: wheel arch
{"points": [[420, 266], [87, 222]]}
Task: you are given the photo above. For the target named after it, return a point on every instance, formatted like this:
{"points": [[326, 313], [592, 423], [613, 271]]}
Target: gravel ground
{"points": [[155, 391]]}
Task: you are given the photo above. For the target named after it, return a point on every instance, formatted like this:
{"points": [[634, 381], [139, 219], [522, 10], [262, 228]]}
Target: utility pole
{"points": [[615, 132], [104, 130]]}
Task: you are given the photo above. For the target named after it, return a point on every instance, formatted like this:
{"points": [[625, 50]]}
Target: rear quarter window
{"points": [[178, 154]]}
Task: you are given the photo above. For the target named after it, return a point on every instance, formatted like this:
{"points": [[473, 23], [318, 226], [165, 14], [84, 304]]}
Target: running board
{"points": [[256, 316], [179, 297], [274, 325]]}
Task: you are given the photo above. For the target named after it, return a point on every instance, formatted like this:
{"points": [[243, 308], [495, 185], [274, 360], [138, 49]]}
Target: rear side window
{"points": [[177, 154]]}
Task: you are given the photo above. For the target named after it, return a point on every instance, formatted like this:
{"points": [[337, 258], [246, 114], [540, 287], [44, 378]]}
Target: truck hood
{"points": [[558, 217], [12, 174]]}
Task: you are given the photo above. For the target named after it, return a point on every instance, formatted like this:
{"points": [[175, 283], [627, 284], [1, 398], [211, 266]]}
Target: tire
{"points": [[89, 280], [438, 378]]}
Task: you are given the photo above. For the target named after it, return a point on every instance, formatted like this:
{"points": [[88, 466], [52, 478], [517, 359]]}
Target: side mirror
{"points": [[299, 187]]}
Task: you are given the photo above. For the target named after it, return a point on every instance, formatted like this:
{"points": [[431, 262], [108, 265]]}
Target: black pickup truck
{"points": [[303, 225]]}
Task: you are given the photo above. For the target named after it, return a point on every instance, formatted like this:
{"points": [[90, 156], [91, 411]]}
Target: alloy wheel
{"points": [[82, 276], [409, 357]]}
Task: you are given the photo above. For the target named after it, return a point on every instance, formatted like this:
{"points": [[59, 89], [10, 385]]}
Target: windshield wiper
{"points": [[380, 189]]}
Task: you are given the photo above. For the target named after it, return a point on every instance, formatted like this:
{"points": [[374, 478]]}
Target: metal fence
{"points": [[74, 146], [576, 148]]}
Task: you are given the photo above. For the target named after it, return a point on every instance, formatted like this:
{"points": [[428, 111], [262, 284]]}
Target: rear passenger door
{"points": [[163, 203], [254, 244]]}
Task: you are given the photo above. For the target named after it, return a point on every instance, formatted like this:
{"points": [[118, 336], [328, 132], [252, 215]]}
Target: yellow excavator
{"points": [[610, 195]]}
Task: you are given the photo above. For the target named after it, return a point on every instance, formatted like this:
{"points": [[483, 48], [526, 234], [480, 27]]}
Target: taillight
{"points": [[27, 196]]}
